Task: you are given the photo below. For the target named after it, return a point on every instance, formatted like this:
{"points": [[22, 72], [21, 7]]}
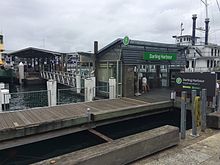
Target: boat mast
{"points": [[206, 7]]}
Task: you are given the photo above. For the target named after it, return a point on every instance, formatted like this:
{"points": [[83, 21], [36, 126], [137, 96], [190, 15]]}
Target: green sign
{"points": [[196, 81], [126, 40], [154, 56]]}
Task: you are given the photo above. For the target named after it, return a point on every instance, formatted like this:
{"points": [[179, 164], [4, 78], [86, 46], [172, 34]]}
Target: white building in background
{"points": [[200, 57]]}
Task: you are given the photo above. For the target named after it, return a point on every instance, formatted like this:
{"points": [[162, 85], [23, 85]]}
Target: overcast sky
{"points": [[72, 25]]}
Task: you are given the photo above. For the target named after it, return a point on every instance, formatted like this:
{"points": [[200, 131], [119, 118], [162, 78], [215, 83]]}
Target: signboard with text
{"points": [[196, 81], [155, 56]]}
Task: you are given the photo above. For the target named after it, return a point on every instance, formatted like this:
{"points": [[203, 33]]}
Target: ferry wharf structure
{"points": [[33, 125], [48, 122], [28, 126]]}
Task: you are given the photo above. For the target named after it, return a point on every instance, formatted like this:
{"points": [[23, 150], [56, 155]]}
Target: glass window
{"points": [[187, 64], [212, 52], [214, 63], [192, 64], [207, 63], [211, 64]]}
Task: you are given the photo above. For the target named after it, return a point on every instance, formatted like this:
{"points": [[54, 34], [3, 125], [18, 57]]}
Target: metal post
{"points": [[218, 104], [214, 103], [117, 76], [183, 115], [1, 100], [138, 80], [89, 115], [203, 110], [194, 126]]}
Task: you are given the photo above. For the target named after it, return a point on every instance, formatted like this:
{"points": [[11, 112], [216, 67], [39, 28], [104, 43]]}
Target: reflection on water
{"points": [[67, 95], [24, 97]]}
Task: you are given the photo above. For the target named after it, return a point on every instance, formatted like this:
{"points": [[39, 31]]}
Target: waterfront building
{"points": [[126, 60], [36, 60], [200, 57]]}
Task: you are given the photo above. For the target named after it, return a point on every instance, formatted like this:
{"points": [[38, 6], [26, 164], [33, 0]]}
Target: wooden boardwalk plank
{"points": [[62, 112]]}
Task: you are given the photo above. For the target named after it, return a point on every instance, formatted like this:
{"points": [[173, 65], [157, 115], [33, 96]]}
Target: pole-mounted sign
{"points": [[196, 81]]}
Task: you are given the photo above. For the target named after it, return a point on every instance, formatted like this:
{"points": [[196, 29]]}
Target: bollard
{"points": [[89, 115], [52, 92], [21, 72], [203, 110], [193, 112], [112, 88], [78, 83], [218, 102], [183, 115], [88, 89]]}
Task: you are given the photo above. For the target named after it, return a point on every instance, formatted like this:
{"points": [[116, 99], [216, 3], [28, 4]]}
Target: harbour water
{"points": [[24, 97]]}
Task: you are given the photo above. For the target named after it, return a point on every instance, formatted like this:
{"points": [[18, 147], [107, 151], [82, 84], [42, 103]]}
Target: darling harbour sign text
{"points": [[159, 56], [192, 81]]}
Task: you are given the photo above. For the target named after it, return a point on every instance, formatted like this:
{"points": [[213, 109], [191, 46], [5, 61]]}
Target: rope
{"points": [[197, 111]]}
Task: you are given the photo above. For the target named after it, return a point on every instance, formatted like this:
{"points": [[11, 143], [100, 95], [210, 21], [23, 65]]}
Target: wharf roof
{"points": [[31, 52], [133, 52]]}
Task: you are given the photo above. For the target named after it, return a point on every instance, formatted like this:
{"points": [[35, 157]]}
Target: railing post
{"points": [[52, 95], [94, 86], [88, 89], [21, 72], [183, 115], [78, 83], [203, 109], [112, 88], [218, 104]]}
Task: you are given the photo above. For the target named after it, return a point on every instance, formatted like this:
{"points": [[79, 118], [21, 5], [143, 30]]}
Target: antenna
{"points": [[218, 5], [206, 7]]}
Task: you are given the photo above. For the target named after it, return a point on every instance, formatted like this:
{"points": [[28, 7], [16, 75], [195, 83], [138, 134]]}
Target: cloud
{"points": [[71, 25]]}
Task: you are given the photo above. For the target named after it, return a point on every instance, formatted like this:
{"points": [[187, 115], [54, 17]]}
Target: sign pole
{"points": [[183, 115], [194, 126], [203, 110]]}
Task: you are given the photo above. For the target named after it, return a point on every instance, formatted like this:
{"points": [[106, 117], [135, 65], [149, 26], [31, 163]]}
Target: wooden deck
{"points": [[48, 120], [36, 116]]}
